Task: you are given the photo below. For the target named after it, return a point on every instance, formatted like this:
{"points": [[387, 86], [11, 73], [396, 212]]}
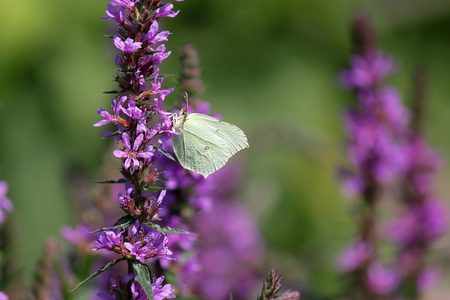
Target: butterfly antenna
{"points": [[186, 98]]}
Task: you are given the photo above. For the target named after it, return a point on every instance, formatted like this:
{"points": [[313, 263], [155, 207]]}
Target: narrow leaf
{"points": [[99, 271], [153, 188], [142, 273], [113, 92], [168, 230], [122, 180]]}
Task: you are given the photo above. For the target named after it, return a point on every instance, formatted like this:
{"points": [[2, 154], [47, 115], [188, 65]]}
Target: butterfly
{"points": [[205, 144]]}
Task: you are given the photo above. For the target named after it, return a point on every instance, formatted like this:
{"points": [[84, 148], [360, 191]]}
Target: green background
{"points": [[268, 66]]}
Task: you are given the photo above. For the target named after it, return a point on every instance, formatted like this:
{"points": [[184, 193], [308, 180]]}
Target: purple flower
{"points": [[382, 281], [5, 203], [139, 79], [113, 13], [76, 236], [128, 198], [423, 163], [421, 223], [166, 11], [229, 250], [111, 118], [427, 279], [133, 111], [108, 240], [147, 244], [129, 4], [127, 46], [3, 296], [354, 256], [153, 36], [366, 71], [138, 250], [131, 154], [160, 291], [159, 56]]}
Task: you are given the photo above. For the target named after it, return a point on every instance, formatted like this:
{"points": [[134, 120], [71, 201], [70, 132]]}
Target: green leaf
{"points": [[116, 133], [114, 92], [153, 188], [122, 223], [168, 230], [143, 276], [167, 154], [99, 271]]}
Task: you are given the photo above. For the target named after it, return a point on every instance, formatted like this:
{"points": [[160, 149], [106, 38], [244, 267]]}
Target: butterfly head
{"points": [[178, 121]]}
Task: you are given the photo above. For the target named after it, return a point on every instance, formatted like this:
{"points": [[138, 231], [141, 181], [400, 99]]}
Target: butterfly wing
{"points": [[205, 144]]}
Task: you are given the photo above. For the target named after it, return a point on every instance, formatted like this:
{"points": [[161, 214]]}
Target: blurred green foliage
{"points": [[269, 67]]}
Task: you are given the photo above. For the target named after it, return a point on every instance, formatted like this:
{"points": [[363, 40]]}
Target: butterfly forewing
{"points": [[205, 144], [232, 136]]}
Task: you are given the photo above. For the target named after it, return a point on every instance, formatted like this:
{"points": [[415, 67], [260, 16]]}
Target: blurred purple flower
{"points": [[427, 279], [355, 255], [79, 235], [421, 223], [229, 250], [5, 203], [381, 280], [366, 71]]}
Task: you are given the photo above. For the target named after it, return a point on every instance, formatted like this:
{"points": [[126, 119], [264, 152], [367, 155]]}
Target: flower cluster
{"points": [[142, 243], [377, 131], [390, 158], [140, 122]]}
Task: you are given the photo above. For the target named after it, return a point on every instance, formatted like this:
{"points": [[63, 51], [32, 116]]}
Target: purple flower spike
{"points": [[127, 46]]}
